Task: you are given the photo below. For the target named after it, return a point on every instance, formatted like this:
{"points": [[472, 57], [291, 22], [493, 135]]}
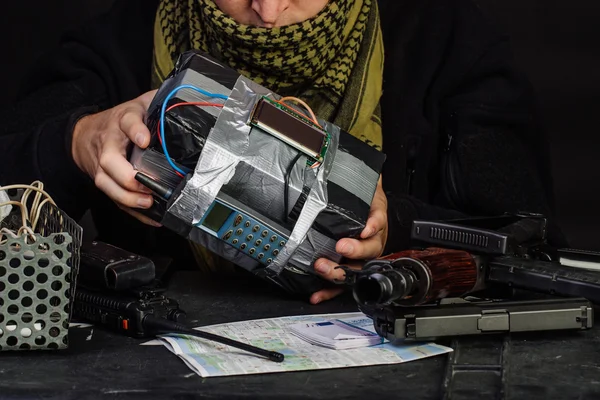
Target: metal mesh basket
{"points": [[37, 283]]}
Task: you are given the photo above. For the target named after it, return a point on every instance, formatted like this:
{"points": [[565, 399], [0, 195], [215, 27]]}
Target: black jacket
{"points": [[459, 125]]}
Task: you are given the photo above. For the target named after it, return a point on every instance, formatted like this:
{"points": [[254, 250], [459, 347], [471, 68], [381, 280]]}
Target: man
{"points": [[455, 118]]}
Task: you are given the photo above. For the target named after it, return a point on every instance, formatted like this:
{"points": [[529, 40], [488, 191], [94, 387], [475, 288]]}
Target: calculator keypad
{"points": [[253, 238]]}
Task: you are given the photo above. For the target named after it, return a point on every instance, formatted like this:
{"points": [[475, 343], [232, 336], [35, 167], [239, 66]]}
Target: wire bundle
{"points": [[161, 129], [30, 211]]}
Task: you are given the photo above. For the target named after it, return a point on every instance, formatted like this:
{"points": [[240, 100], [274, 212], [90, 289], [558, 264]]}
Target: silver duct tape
{"points": [[205, 83], [316, 245], [316, 202], [224, 148], [256, 169], [196, 79], [154, 164], [259, 179], [355, 176]]}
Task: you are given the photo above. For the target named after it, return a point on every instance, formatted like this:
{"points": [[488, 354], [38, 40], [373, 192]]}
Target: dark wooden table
{"points": [[533, 366]]}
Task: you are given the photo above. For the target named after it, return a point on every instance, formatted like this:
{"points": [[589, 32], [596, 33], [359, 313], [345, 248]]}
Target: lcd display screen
{"points": [[216, 217]]}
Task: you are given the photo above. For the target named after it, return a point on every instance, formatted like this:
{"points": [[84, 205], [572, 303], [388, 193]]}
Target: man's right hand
{"points": [[99, 149]]}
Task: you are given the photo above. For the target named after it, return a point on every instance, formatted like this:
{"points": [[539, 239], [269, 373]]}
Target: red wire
{"points": [[192, 103]]}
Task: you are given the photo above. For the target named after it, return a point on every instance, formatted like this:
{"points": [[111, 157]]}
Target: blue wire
{"points": [[162, 118]]}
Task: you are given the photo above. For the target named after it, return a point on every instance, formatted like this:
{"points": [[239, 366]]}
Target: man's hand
{"points": [[370, 245], [99, 149]]}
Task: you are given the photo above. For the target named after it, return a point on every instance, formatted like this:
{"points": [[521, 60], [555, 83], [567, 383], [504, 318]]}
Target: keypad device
{"points": [[243, 232]]}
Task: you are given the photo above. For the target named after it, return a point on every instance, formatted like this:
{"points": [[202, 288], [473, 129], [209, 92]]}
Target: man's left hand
{"points": [[369, 246]]}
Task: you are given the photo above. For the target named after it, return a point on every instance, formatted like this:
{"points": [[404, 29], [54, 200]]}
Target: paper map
{"points": [[210, 359]]}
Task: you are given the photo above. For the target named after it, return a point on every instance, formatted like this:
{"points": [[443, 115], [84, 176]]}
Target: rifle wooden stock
{"points": [[441, 272]]}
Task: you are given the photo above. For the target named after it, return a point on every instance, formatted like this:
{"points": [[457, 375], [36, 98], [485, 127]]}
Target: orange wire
{"points": [[299, 112], [303, 104]]}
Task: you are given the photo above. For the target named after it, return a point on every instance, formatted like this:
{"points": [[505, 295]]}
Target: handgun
{"points": [[429, 322]]}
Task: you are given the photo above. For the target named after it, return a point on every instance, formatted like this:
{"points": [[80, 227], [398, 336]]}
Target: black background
{"points": [[554, 42]]}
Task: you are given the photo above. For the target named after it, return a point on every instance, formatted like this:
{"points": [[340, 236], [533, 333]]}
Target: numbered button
{"points": [[256, 228], [269, 260], [275, 252], [243, 246], [238, 220], [281, 244], [228, 235], [235, 241], [264, 234], [252, 251], [260, 256], [267, 247], [247, 224], [273, 238], [239, 232], [249, 237], [258, 242]]}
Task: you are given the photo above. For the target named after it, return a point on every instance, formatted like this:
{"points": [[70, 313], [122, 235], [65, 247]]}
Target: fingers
{"points": [[377, 220], [361, 249], [140, 217], [370, 245], [325, 294], [132, 124], [132, 121], [113, 163], [326, 269], [120, 195]]}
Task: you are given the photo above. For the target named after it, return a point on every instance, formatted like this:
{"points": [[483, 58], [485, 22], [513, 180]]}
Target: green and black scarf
{"points": [[333, 61]]}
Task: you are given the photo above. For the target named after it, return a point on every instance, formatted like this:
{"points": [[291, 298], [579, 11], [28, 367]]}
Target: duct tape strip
{"points": [[355, 176], [225, 146], [260, 177], [315, 245], [316, 202]]}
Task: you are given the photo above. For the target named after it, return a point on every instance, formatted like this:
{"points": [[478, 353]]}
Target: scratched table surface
{"points": [[100, 364]]}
